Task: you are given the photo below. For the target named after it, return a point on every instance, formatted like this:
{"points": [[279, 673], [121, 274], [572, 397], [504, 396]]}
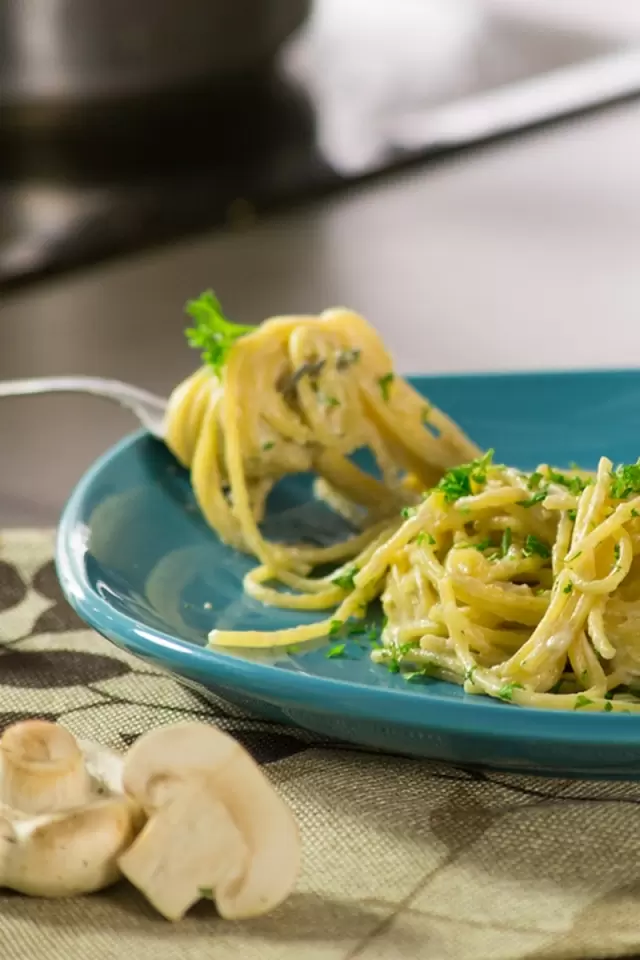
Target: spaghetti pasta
{"points": [[521, 586]]}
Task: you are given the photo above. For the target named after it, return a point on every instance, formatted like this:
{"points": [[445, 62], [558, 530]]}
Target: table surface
{"points": [[517, 256]]}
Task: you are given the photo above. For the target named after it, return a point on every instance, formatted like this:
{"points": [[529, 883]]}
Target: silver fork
{"points": [[147, 407]]}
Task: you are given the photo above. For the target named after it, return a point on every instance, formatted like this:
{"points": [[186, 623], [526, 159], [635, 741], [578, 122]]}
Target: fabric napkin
{"points": [[402, 858]]}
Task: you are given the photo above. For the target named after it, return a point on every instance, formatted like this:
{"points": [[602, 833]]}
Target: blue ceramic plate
{"points": [[138, 563]]}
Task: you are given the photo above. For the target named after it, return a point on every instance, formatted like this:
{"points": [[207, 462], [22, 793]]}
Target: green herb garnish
{"points": [[537, 497], [574, 484], [385, 385], [424, 537], [468, 674], [328, 401], [506, 692], [212, 332], [616, 552], [346, 580], [534, 480], [417, 674], [572, 514], [335, 627], [568, 588], [505, 543], [582, 701], [533, 546], [269, 445], [346, 358], [336, 651], [407, 512], [608, 707], [456, 483], [634, 512], [625, 480], [482, 545]]}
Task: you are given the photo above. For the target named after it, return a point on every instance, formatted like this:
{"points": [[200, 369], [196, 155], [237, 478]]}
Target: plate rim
{"points": [[355, 700]]}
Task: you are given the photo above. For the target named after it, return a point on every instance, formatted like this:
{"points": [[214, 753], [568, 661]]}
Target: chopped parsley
{"points": [[616, 552], [534, 480], [457, 482], [335, 627], [468, 674], [608, 707], [417, 674], [634, 512], [572, 514], [574, 484], [482, 545], [337, 650], [506, 692], [212, 333], [424, 537], [385, 385], [346, 580], [269, 445], [407, 512], [329, 401], [505, 543], [537, 497], [568, 588], [533, 546], [582, 701], [625, 480], [346, 358]]}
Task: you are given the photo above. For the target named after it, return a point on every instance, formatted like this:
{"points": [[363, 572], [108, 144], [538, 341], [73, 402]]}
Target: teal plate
{"points": [[138, 563]]}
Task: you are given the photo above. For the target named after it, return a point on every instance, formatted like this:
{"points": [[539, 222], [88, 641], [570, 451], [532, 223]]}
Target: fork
{"points": [[147, 407]]}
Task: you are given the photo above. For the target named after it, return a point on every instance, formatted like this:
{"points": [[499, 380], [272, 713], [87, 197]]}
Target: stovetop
{"points": [[353, 95]]}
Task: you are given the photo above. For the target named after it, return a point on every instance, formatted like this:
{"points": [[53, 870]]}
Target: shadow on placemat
{"points": [[402, 858]]}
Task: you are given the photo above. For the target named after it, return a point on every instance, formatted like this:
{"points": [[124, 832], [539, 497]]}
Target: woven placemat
{"points": [[402, 859]]}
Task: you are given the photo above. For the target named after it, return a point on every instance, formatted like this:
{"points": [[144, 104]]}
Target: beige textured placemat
{"points": [[402, 859]]}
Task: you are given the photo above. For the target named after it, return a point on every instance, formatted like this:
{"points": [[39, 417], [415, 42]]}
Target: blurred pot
{"points": [[62, 57]]}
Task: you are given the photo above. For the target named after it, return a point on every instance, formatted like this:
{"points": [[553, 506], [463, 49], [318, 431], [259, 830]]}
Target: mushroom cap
{"points": [[41, 768], [64, 818], [169, 759], [70, 853]]}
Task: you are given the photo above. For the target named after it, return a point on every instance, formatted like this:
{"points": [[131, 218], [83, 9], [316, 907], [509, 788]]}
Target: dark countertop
{"points": [[123, 180], [521, 256]]}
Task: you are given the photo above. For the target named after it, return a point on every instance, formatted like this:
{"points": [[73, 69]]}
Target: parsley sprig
{"points": [[212, 333], [534, 547], [346, 580], [458, 481], [625, 481]]}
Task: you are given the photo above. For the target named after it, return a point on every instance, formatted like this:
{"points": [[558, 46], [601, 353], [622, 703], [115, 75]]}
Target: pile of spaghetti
{"points": [[522, 586]]}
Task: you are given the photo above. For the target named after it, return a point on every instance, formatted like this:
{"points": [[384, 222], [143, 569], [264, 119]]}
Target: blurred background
{"points": [[133, 122], [466, 173]]}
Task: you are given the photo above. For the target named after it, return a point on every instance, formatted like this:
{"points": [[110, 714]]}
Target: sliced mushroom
{"points": [[216, 827], [64, 819]]}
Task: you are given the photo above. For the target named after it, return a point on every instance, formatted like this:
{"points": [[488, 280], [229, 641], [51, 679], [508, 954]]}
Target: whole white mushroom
{"points": [[64, 817]]}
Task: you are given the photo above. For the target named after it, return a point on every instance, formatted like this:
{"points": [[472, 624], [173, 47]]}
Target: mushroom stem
{"points": [[42, 769], [208, 860], [221, 824]]}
